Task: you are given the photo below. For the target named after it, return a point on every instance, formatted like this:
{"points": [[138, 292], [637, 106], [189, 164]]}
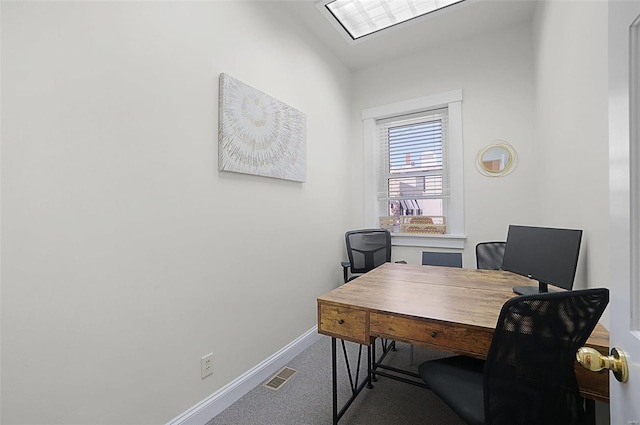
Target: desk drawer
{"points": [[452, 337], [343, 322]]}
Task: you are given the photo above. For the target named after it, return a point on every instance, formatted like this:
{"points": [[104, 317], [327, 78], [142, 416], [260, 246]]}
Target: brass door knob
{"points": [[592, 360]]}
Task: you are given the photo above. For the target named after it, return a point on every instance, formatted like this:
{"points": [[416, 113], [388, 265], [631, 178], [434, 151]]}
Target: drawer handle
{"points": [[434, 334], [340, 321]]}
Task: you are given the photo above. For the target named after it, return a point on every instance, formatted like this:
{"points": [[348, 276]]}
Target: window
{"points": [[413, 170], [414, 173]]}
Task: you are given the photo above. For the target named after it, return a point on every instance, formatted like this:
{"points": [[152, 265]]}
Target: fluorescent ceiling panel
{"points": [[363, 17]]}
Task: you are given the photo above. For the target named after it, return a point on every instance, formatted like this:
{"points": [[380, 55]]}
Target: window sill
{"points": [[428, 241]]}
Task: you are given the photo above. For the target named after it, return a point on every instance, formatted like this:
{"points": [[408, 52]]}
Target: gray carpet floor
{"points": [[305, 399]]}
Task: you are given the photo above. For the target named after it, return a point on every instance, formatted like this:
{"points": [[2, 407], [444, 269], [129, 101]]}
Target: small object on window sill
{"points": [[423, 224]]}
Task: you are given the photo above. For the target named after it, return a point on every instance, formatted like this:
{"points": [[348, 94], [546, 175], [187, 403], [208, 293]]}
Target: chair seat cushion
{"points": [[458, 382]]}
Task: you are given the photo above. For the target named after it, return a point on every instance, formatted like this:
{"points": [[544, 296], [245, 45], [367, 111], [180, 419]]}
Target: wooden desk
{"points": [[446, 308]]}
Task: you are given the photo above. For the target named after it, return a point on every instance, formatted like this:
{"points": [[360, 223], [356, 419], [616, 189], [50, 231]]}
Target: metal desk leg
{"points": [[370, 358], [354, 378], [590, 407], [334, 380]]}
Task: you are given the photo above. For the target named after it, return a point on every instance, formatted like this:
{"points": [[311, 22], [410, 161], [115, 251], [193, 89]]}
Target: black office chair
{"points": [[366, 249], [528, 376], [489, 255], [448, 259]]}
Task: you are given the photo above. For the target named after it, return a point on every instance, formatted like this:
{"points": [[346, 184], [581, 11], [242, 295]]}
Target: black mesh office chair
{"points": [[528, 376], [366, 249], [489, 255]]}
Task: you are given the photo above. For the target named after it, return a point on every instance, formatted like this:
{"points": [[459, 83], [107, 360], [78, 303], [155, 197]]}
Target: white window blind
{"points": [[414, 158]]}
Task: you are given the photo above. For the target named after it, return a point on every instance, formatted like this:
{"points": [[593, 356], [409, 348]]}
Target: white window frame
{"points": [[451, 100]]}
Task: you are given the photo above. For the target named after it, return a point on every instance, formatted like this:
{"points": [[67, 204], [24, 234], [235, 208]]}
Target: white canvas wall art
{"points": [[259, 134]]}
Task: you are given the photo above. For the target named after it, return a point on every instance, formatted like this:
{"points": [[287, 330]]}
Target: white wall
{"points": [[570, 47], [495, 72], [571, 58], [126, 254]]}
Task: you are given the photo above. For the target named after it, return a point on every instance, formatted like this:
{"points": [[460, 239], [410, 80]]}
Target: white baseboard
{"points": [[202, 412]]}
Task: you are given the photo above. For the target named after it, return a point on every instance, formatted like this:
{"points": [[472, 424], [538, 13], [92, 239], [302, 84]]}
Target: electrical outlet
{"points": [[206, 365]]}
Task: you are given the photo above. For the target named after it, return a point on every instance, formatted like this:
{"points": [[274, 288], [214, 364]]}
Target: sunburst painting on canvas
{"points": [[258, 134]]}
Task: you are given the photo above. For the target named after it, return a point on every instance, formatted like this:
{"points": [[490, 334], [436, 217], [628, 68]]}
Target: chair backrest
{"points": [[528, 375], [489, 255], [449, 259], [368, 249]]}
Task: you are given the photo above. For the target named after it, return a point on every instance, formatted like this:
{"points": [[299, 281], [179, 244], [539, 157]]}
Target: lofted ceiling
{"points": [[464, 20]]}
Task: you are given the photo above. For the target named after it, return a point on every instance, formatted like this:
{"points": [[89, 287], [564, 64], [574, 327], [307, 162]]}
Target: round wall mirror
{"points": [[497, 159]]}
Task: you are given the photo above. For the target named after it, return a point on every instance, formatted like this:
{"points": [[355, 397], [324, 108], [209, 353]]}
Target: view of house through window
{"points": [[414, 176]]}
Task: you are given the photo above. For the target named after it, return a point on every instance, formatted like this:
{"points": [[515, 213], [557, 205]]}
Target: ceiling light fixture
{"points": [[363, 17]]}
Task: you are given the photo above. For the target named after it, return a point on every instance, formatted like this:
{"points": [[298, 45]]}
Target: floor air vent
{"points": [[280, 378]]}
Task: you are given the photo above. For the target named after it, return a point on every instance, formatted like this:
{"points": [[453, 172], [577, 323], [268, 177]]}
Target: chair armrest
{"points": [[345, 270]]}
